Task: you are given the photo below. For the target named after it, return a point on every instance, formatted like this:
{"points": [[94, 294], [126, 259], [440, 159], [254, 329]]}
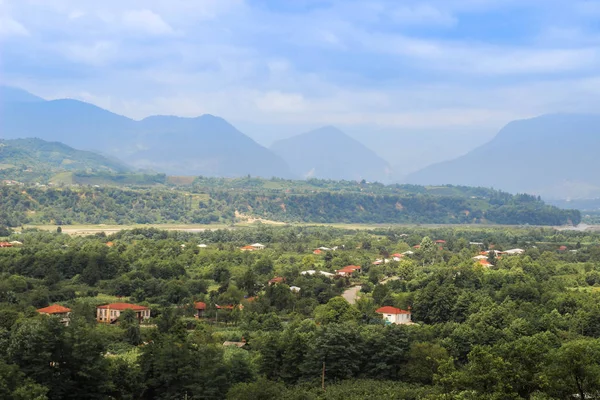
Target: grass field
{"points": [[92, 229]]}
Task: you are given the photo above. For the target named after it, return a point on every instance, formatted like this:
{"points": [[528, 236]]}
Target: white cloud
{"points": [[422, 14], [146, 21], [9, 27]]}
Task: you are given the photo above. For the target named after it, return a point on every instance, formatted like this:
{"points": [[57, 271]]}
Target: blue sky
{"points": [[395, 65]]}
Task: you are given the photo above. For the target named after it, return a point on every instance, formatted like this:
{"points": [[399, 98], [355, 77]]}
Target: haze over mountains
{"points": [[553, 155], [329, 153], [205, 145]]}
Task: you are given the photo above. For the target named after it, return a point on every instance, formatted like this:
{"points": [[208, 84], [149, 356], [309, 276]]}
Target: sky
{"points": [[280, 66]]}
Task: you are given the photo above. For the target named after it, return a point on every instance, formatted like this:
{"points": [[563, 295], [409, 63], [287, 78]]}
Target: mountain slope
{"points": [[205, 145], [40, 155], [328, 153], [551, 155]]}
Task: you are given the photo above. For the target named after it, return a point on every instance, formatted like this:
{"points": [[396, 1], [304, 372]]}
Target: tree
{"points": [[337, 310], [575, 368], [129, 323]]}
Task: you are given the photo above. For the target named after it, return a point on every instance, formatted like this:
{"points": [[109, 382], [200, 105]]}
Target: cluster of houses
{"points": [[108, 313], [483, 257]]}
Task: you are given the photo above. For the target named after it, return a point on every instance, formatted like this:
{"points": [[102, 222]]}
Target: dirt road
{"points": [[351, 294]]}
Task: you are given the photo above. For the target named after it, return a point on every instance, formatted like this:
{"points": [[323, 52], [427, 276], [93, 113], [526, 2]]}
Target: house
{"points": [[313, 272], [397, 255], [16, 243], [202, 246], [417, 246], [514, 251], [480, 257], [324, 248], [59, 311], [408, 253], [277, 279], [440, 241], [253, 247], [393, 315], [109, 244], [200, 307], [5, 244], [110, 313], [295, 289], [317, 251], [348, 270], [485, 263], [562, 248]]}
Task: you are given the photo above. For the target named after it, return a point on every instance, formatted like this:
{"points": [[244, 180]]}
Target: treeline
{"points": [[329, 207], [112, 205]]}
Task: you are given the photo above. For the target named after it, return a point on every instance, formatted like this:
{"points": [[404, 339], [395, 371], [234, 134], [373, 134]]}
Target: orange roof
{"points": [[110, 244], [277, 279], [200, 305], [54, 309], [397, 255], [418, 246], [317, 251], [247, 248], [440, 241], [123, 306], [391, 310], [352, 267], [349, 269], [485, 263]]}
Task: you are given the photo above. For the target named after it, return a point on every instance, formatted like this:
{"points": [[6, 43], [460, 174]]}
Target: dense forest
{"points": [[524, 326], [350, 202]]}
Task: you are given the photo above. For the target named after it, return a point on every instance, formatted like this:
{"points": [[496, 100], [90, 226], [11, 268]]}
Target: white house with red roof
{"points": [[395, 315], [110, 313], [57, 310]]}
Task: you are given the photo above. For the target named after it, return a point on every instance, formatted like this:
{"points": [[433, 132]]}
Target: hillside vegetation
{"points": [[524, 327], [219, 200], [34, 156]]}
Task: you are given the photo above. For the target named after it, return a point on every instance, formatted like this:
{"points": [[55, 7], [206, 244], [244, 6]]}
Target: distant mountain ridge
{"points": [[205, 145], [329, 153], [554, 155]]}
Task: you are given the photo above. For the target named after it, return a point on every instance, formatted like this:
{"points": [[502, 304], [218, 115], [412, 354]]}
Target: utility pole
{"points": [[323, 377]]}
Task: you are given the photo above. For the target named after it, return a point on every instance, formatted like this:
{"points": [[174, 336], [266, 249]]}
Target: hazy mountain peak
{"points": [[553, 155], [13, 94], [329, 153]]}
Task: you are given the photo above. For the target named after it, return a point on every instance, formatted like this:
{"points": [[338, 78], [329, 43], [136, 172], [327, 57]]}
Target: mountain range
{"points": [[205, 145], [555, 156], [328, 153]]}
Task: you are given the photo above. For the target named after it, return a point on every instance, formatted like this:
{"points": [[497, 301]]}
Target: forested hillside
{"points": [[210, 204], [39, 155], [220, 327]]}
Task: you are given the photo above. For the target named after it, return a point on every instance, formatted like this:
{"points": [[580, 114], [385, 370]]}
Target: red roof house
{"points": [[395, 315], [417, 246], [54, 309], [277, 279], [58, 311], [348, 270], [440, 241], [317, 251]]}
